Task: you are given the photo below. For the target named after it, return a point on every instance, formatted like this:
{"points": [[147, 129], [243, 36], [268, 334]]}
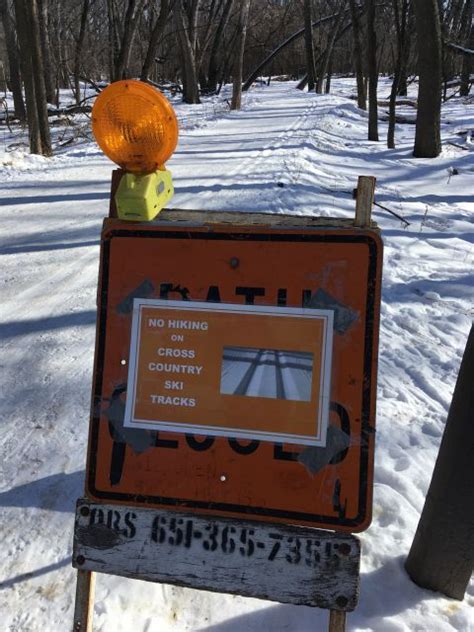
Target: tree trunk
{"points": [[372, 70], [428, 135], [215, 56], [46, 51], [28, 77], [188, 61], [403, 84], [400, 22], [13, 61], [441, 557], [130, 23], [79, 46], [358, 57], [239, 55], [467, 64], [113, 39], [328, 52], [38, 71], [155, 38], [193, 9], [309, 44], [327, 88]]}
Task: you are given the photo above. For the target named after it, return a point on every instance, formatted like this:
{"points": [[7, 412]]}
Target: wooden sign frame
{"points": [[113, 527], [287, 564]]}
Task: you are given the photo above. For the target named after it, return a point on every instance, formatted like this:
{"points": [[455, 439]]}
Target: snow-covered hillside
{"points": [[285, 152]]}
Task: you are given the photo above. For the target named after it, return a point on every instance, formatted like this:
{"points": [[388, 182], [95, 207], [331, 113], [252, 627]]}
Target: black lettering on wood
{"points": [[130, 517]]}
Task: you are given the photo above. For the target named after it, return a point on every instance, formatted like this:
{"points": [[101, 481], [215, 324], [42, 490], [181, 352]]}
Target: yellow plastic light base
{"points": [[139, 198]]}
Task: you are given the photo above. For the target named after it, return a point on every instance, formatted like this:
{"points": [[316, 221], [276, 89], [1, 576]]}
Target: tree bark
{"points": [[239, 55], [214, 56], [46, 51], [193, 9], [130, 23], [78, 53], [428, 134], [442, 554], [400, 23], [467, 64], [13, 61], [403, 84], [155, 38], [372, 70], [329, 50], [38, 71], [188, 60], [309, 44], [28, 78], [327, 87], [358, 57], [113, 38]]}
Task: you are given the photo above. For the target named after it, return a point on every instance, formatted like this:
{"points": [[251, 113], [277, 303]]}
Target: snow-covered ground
{"points": [[285, 152]]}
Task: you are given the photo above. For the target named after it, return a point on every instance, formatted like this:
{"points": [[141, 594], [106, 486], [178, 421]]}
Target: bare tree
{"points": [[428, 135], [43, 16], [215, 56], [467, 64], [187, 53], [155, 38], [323, 69], [239, 55], [309, 44], [13, 61], [33, 72], [400, 15], [358, 56], [372, 70], [129, 28], [79, 49], [289, 40], [32, 12]]}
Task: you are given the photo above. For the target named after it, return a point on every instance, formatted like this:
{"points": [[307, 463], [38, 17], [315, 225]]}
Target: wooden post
{"points": [[365, 200], [337, 621], [84, 607]]}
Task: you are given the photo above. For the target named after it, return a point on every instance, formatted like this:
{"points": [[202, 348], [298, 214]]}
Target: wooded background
{"points": [[195, 46]]}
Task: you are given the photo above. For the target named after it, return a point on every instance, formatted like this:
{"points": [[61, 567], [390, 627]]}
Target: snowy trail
{"points": [[286, 151]]}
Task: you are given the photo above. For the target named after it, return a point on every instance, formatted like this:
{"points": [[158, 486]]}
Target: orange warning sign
{"points": [[243, 407], [245, 371]]}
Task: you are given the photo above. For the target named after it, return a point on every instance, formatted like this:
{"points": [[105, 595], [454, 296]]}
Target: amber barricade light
{"points": [[136, 127]]}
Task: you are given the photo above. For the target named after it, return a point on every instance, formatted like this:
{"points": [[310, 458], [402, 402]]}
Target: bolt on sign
{"points": [[235, 369]]}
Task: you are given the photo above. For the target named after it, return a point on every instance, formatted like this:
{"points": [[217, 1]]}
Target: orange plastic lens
{"points": [[135, 126]]}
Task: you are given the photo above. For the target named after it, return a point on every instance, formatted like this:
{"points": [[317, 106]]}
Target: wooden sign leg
{"points": [[364, 201], [84, 607], [337, 621]]}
